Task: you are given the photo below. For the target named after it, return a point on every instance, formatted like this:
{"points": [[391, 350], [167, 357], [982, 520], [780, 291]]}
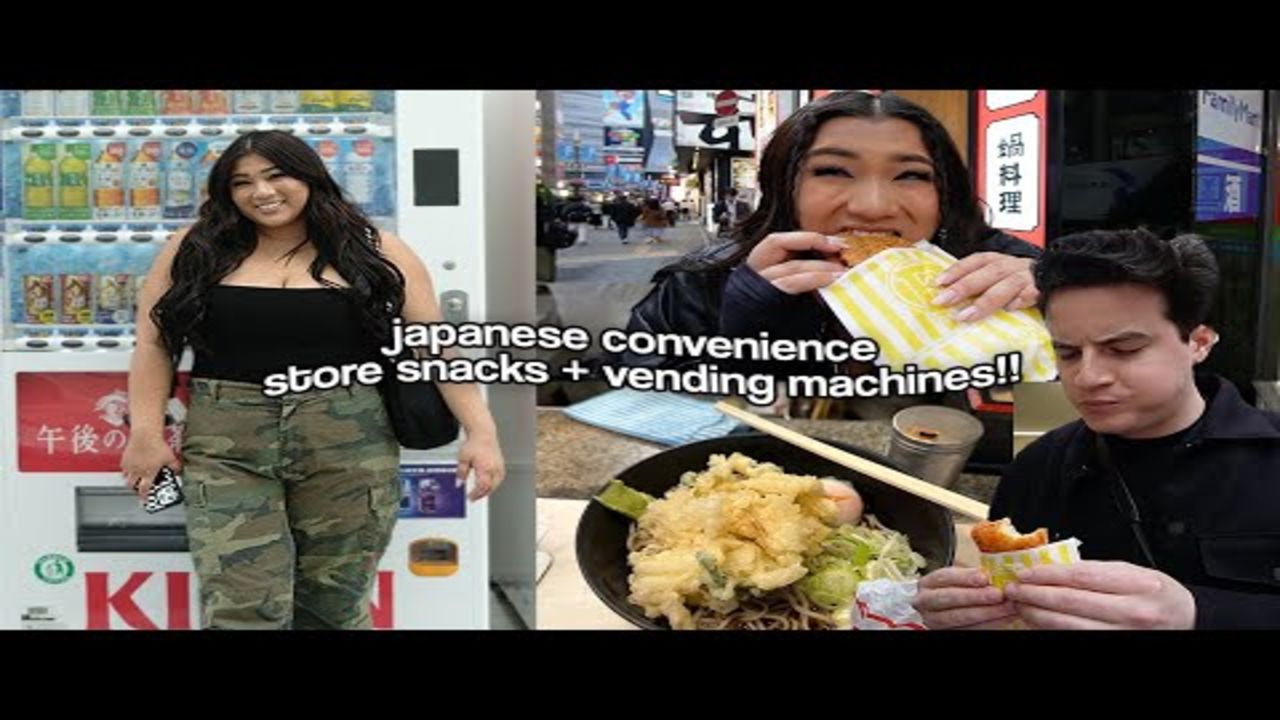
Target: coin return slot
{"points": [[109, 519]]}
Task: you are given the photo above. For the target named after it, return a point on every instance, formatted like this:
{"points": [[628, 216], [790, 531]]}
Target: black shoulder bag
{"points": [[417, 411], [419, 416]]}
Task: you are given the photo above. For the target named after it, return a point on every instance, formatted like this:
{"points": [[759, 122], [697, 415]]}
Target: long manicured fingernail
{"points": [[966, 314], [832, 239], [943, 279], [946, 297]]}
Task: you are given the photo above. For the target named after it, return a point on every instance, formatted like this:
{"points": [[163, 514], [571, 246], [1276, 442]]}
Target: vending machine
{"points": [[91, 184]]}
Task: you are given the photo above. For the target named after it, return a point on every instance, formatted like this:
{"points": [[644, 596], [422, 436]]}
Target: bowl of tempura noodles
{"points": [[748, 532]]}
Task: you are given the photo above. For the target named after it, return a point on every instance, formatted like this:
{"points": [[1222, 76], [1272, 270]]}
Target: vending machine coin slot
{"points": [[433, 557]]}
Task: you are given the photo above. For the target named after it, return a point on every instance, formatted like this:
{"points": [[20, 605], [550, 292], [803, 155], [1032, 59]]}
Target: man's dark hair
{"points": [[1183, 269]]}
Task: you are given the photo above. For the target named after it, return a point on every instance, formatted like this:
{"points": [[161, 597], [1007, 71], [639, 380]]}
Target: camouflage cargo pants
{"points": [[290, 503]]}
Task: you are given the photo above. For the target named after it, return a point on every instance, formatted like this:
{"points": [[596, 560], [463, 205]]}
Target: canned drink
{"points": [[74, 162], [355, 100], [115, 299], [77, 299], [212, 102], [179, 180], [108, 181], [319, 101], [176, 102], [249, 101], [140, 102], [39, 103], [38, 169], [359, 172], [107, 102], [144, 181], [330, 154], [74, 103], [37, 296], [284, 101]]}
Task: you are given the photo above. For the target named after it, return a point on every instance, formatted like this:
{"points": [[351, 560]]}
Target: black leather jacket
{"points": [[1214, 524], [685, 299]]}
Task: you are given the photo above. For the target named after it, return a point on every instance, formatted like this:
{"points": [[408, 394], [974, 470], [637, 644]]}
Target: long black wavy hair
{"points": [[962, 226], [222, 237]]}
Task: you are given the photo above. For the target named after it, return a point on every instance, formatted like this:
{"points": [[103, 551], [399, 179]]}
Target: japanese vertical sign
{"points": [[1011, 160]]}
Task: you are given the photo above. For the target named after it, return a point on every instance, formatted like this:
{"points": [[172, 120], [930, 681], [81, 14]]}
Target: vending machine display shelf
{"points": [[26, 232], [35, 232], [26, 338], [20, 129]]}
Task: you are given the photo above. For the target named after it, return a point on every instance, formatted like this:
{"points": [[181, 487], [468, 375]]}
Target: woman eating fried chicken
{"points": [[852, 172]]}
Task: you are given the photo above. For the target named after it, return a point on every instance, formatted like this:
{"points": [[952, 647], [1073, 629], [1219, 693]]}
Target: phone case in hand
{"points": [[166, 491]]}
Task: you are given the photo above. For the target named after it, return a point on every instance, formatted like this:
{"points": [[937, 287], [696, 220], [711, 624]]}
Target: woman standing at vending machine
{"points": [[290, 500]]}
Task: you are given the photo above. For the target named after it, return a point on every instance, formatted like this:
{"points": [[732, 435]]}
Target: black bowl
{"points": [[602, 533]]}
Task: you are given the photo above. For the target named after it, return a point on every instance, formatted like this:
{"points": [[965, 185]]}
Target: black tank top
{"points": [[252, 332]]}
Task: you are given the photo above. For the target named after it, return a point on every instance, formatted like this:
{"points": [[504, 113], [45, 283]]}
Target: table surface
{"points": [[575, 460], [566, 602]]}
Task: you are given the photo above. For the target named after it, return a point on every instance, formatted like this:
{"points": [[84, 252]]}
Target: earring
{"points": [[942, 235]]}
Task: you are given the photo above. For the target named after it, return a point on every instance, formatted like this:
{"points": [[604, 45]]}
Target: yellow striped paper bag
{"points": [[1001, 567], [888, 298]]}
